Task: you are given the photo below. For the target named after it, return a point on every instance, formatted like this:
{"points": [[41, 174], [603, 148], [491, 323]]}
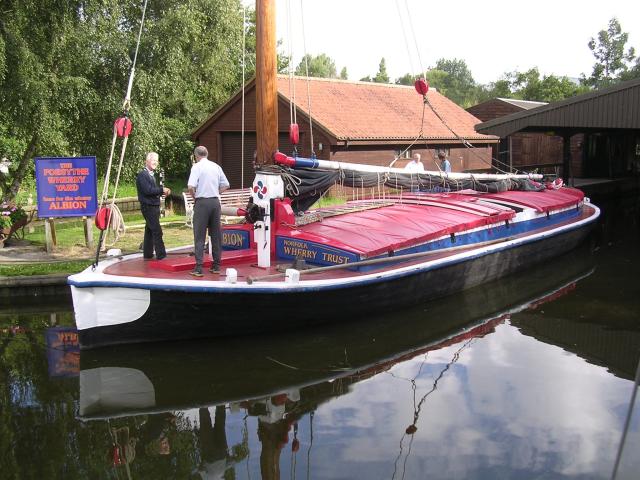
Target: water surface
{"points": [[528, 377]]}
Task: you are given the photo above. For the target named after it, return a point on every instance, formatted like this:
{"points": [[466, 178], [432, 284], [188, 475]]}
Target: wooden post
{"points": [[88, 231], [266, 86], [49, 234], [567, 175]]}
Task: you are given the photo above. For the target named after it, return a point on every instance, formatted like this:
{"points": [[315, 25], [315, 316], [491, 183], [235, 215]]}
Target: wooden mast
{"points": [[266, 87]]}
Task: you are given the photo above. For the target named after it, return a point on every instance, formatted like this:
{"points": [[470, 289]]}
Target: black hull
{"points": [[183, 315], [197, 373]]}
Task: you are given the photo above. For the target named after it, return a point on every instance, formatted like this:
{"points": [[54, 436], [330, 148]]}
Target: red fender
{"points": [[116, 455], [422, 87], [123, 126], [102, 218], [294, 133], [555, 185]]}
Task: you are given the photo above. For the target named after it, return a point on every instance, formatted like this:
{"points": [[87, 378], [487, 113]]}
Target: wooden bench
{"points": [[237, 197], [188, 208]]}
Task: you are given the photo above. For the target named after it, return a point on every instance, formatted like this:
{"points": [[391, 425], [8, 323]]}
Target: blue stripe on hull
{"points": [[336, 286]]}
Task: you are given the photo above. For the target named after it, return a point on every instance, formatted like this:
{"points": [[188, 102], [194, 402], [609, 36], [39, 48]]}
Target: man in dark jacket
{"points": [[149, 196]]}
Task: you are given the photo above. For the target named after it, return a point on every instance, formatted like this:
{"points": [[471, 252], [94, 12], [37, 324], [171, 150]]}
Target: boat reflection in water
{"points": [[277, 380]]}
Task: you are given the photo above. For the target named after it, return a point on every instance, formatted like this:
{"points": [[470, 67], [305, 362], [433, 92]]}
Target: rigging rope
{"points": [[292, 87], [415, 40], [115, 216], [244, 52], [310, 444], [306, 63], [462, 140], [420, 135], [404, 35]]}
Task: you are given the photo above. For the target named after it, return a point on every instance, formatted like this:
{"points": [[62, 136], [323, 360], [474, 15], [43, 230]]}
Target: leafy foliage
{"points": [[530, 86], [454, 80], [319, 66], [406, 79], [69, 65], [381, 77], [613, 62], [11, 214]]}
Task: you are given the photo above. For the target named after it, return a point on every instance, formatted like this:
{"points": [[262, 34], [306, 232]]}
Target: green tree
{"points": [[612, 61], [343, 74], [382, 76], [458, 84], [530, 85], [42, 89], [250, 47], [406, 79], [633, 72], [69, 65], [320, 66], [501, 88]]}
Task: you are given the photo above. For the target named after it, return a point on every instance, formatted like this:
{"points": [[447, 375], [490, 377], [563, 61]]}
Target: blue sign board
{"points": [[63, 351], [66, 186], [294, 248], [235, 239]]}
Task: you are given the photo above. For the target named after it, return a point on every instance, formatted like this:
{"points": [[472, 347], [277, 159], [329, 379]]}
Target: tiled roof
{"points": [[378, 111]]}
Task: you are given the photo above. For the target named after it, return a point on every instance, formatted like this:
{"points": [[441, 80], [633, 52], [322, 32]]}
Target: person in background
{"points": [[415, 165], [206, 182], [445, 165], [149, 197]]}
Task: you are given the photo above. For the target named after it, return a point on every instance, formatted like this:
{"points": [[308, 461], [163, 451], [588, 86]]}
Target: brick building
{"points": [[356, 122]]}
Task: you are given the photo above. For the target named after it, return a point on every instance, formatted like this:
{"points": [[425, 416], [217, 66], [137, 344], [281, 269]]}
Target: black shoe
{"points": [[161, 257], [196, 272], [215, 269]]}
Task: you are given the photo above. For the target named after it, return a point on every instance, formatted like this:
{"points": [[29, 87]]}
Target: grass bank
{"points": [[73, 256]]}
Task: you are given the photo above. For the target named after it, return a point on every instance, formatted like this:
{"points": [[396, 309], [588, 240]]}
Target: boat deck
{"points": [[179, 262]]}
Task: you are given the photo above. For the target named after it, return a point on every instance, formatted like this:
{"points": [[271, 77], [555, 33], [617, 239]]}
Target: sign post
{"points": [[66, 187]]}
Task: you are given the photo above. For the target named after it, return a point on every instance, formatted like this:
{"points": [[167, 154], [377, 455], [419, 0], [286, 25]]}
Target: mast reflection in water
{"points": [[524, 378]]}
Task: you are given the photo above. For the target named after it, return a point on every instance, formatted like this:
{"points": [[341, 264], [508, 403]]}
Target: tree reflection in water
{"points": [[238, 408]]}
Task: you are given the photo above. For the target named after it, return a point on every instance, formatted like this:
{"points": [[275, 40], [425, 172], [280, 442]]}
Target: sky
{"points": [[492, 37]]}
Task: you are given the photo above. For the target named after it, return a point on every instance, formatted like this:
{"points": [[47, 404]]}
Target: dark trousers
{"points": [[206, 214], [152, 232], [213, 438]]}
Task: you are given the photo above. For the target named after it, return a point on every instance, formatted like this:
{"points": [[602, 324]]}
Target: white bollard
{"points": [[292, 275], [232, 275]]}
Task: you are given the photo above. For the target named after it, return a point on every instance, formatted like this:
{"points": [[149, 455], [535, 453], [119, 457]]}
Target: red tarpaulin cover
{"points": [[540, 201], [376, 231], [379, 230]]}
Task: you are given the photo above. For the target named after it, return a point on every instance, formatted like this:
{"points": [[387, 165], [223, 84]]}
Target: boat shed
{"points": [[605, 123], [520, 150], [358, 122]]}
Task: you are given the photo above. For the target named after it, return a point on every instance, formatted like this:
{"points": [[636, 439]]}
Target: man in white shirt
{"points": [[206, 182], [415, 165]]}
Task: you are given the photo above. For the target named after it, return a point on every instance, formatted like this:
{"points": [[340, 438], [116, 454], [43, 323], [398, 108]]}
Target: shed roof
{"points": [[609, 108], [372, 112], [379, 111], [523, 104]]}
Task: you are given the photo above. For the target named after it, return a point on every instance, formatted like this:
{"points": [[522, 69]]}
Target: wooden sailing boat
{"points": [[287, 268]]}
